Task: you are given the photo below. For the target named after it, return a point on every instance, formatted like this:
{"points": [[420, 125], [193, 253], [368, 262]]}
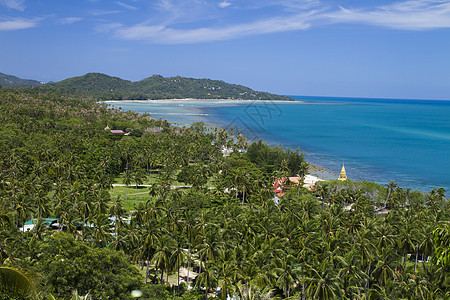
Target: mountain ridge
{"points": [[7, 80], [105, 87]]}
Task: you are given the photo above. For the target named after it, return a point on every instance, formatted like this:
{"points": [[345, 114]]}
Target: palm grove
{"points": [[204, 212]]}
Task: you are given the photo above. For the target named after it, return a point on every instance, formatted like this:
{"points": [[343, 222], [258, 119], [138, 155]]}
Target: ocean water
{"points": [[379, 140]]}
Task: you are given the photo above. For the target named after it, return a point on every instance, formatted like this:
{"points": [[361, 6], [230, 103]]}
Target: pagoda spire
{"points": [[343, 174]]}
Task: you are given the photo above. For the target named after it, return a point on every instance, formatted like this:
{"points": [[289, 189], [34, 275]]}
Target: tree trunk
{"points": [[148, 264], [189, 262], [404, 261], [387, 199], [135, 202], [368, 277], [178, 277], [150, 177], [417, 257], [84, 225]]}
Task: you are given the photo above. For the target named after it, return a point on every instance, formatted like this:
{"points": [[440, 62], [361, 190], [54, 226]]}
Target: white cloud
{"points": [[70, 20], [14, 4], [224, 4], [164, 34], [127, 6], [108, 27], [104, 12], [406, 15], [18, 23], [183, 22], [283, 4]]}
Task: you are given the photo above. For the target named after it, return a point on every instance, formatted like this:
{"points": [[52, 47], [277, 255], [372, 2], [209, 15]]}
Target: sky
{"points": [[348, 48]]}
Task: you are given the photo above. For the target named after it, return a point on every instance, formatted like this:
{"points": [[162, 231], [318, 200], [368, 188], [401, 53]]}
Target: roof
{"points": [[117, 131], [47, 221]]}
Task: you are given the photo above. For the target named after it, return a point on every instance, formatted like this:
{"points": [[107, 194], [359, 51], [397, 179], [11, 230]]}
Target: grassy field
{"points": [[130, 196]]}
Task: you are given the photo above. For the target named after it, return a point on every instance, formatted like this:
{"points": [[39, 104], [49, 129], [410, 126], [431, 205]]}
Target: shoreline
{"points": [[222, 101], [212, 101], [317, 172], [324, 165]]}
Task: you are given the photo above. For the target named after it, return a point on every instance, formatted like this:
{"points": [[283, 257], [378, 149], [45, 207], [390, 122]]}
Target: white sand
{"points": [[223, 101]]}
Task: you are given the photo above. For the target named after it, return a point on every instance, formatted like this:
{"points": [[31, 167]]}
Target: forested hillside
{"points": [[13, 81], [101, 86], [152, 212]]}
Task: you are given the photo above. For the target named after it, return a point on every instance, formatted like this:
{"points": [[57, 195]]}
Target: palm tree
{"points": [[16, 284], [303, 170], [352, 276], [148, 240], [85, 207], [227, 272], [206, 279], [102, 229], [138, 177], [288, 274], [164, 246], [127, 178], [323, 283], [384, 269], [117, 212], [366, 249], [177, 259], [407, 240], [390, 186]]}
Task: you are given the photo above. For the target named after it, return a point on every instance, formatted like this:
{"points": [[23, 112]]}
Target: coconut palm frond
{"points": [[16, 283]]}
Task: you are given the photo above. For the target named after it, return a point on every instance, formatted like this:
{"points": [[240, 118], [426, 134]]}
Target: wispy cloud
{"points": [[17, 23], [196, 21], [407, 15], [163, 34], [224, 4], [14, 4], [127, 6], [104, 12], [283, 4], [71, 20]]}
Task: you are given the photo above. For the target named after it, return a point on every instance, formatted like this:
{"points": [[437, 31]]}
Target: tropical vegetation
{"points": [[104, 87], [207, 226]]}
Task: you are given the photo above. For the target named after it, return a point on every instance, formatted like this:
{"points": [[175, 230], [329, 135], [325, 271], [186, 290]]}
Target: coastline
{"points": [[211, 101], [198, 108], [330, 135]]}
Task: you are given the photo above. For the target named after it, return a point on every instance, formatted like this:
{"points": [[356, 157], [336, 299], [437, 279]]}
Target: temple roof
{"points": [[343, 174]]}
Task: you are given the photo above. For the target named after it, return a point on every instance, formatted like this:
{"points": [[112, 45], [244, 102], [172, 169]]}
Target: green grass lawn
{"points": [[130, 196], [134, 196], [146, 181]]}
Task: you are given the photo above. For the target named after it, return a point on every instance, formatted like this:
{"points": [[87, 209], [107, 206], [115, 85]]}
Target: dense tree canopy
{"points": [[102, 86], [205, 220]]}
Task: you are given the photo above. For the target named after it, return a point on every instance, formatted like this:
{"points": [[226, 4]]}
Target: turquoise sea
{"points": [[379, 140]]}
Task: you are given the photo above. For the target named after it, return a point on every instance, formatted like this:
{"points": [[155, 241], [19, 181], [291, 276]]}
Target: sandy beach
{"points": [[203, 101]]}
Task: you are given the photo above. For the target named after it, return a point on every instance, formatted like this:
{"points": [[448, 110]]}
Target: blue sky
{"points": [[365, 48]]}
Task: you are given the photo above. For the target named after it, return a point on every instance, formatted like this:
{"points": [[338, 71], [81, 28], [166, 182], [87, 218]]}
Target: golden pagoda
{"points": [[343, 175]]}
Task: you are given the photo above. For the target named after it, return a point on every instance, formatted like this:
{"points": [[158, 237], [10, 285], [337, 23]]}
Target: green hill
{"points": [[13, 81], [105, 87]]}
